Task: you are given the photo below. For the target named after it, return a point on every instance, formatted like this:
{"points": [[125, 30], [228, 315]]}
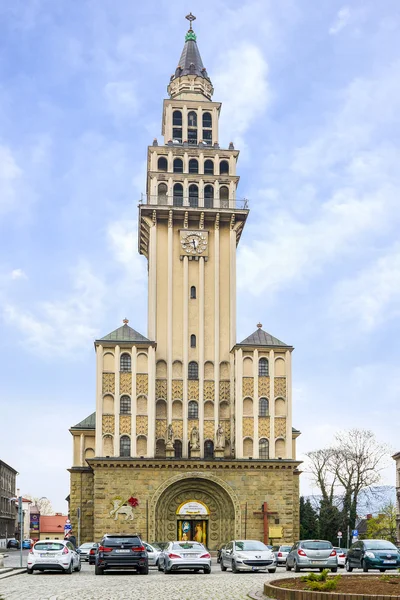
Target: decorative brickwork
{"points": [[248, 426], [248, 387], [108, 424], [177, 389], [161, 428], [108, 383], [280, 427], [125, 424], [264, 427], [177, 425], [225, 391], [209, 390], [226, 425], [209, 429], [161, 389], [141, 425], [280, 386], [142, 385], [125, 383], [193, 389], [263, 387]]}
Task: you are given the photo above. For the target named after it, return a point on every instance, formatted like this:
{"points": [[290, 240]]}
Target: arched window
{"points": [[263, 408], [193, 292], [192, 128], [208, 449], [178, 194], [193, 410], [193, 370], [125, 445], [125, 362], [224, 196], [178, 449], [193, 341], [193, 196], [125, 405], [192, 119], [263, 448], [162, 164], [177, 118], [193, 165], [224, 167], [207, 120], [208, 167], [162, 193], [178, 165], [208, 196], [263, 370]]}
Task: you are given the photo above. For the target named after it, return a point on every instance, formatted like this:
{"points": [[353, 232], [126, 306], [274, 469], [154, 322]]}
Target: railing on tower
{"points": [[195, 202]]}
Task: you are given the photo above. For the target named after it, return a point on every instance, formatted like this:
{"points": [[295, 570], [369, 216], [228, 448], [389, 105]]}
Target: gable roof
{"points": [[88, 423], [53, 524], [262, 338], [125, 334]]}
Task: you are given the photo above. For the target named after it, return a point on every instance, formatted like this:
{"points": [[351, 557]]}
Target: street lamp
{"points": [[21, 525]]}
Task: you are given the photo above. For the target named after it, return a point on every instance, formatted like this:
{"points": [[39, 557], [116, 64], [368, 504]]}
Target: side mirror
{"points": [[78, 551]]}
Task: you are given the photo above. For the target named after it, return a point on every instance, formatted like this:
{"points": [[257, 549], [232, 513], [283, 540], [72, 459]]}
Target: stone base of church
{"points": [[145, 496]]}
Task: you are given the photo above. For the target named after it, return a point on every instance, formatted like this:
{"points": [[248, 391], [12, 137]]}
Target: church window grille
{"points": [[224, 196], [208, 167], [178, 448], [178, 194], [207, 120], [224, 167], [193, 341], [125, 445], [125, 362], [193, 165], [178, 165], [125, 405], [208, 196], [193, 410], [193, 370], [162, 164], [208, 449], [263, 408], [193, 196], [177, 118], [263, 370], [193, 292], [263, 448]]}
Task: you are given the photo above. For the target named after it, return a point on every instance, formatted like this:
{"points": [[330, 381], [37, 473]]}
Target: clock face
{"points": [[194, 242]]}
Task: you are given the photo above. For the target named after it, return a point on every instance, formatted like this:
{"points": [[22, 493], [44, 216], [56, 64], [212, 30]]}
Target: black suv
{"points": [[121, 551]]}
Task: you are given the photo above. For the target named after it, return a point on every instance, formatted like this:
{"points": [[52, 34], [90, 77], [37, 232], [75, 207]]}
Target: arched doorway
{"points": [[219, 522]]}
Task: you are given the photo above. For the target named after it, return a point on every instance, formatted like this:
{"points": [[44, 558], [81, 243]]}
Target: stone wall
{"points": [[82, 497]]}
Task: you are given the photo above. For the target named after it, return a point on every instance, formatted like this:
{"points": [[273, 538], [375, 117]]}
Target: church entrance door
{"points": [[193, 530]]}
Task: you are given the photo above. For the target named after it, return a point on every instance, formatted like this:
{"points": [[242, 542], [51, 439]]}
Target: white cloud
{"points": [[122, 98], [18, 274], [122, 239], [341, 21], [372, 297], [10, 178]]}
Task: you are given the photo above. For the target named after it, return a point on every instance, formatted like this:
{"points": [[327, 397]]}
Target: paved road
{"points": [[120, 586]]}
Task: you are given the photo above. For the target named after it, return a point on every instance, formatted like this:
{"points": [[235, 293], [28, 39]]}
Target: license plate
{"points": [[389, 562], [190, 555], [123, 551], [255, 568], [48, 554], [317, 562]]}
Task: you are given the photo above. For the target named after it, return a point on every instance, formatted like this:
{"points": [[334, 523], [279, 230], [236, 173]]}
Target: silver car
{"points": [[179, 556], [152, 553], [84, 550], [281, 553], [247, 555], [312, 554]]}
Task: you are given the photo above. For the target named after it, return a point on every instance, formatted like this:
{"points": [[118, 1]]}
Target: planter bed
{"points": [[353, 587]]}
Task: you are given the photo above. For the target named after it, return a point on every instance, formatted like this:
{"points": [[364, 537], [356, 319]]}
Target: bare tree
{"points": [[323, 472], [44, 505]]}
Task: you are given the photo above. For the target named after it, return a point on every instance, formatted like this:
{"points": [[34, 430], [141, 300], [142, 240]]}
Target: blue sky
{"points": [[311, 97]]}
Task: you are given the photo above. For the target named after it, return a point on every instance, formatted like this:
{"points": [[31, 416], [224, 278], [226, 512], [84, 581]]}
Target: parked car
{"points": [[13, 543], [281, 553], [118, 551], [185, 556], [27, 544], [92, 554], [153, 553], [312, 554], [341, 556], [247, 555], [53, 555], [84, 550], [372, 554]]}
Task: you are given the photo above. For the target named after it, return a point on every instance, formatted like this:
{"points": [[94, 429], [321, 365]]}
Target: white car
{"points": [[247, 555], [84, 550], [152, 553], [53, 555], [341, 556]]}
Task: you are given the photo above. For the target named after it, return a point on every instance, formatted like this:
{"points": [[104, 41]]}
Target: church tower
{"points": [[194, 424]]}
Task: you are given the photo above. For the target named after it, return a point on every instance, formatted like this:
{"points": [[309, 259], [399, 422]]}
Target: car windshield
{"points": [[316, 545], [285, 548], [379, 545], [119, 541], [250, 546], [43, 546], [188, 546], [86, 546]]}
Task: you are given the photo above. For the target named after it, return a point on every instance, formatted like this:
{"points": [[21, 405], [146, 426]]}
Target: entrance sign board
{"points": [[192, 507]]}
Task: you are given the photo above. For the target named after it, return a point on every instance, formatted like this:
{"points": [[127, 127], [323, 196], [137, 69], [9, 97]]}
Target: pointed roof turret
{"points": [[262, 338], [190, 66]]}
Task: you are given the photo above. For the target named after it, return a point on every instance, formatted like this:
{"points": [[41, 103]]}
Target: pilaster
{"points": [[117, 398], [239, 404], [170, 319], [99, 400], [151, 403], [216, 319], [289, 453], [201, 353], [185, 328], [271, 361], [256, 448], [133, 401]]}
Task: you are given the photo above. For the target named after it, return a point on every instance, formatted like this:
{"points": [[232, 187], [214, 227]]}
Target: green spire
{"points": [[190, 35]]}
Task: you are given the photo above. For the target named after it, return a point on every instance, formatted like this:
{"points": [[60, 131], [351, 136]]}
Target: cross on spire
{"points": [[190, 18]]}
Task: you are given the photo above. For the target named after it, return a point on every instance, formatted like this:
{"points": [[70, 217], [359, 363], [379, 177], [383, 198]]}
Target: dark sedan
{"points": [[92, 554], [372, 554], [121, 552], [13, 543]]}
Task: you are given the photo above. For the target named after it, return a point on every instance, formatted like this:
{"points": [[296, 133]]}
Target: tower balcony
{"points": [[194, 202]]}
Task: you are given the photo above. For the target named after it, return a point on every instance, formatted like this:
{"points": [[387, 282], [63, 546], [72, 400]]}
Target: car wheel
{"points": [[159, 567], [333, 570], [144, 570], [79, 567], [271, 570], [207, 571], [288, 568], [69, 570], [29, 571], [296, 568], [166, 571], [234, 567], [223, 567], [382, 570], [348, 567], [364, 566], [98, 570]]}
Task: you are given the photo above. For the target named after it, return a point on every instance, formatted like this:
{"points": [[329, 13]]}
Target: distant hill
{"points": [[371, 500]]}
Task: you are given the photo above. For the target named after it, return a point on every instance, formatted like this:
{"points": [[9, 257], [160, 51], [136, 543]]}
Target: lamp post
{"points": [[21, 525]]}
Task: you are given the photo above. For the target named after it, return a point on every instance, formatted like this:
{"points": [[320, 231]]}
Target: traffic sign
{"points": [[67, 527], [339, 534], [355, 533]]}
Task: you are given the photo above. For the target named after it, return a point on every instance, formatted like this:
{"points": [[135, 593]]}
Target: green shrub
{"points": [[314, 577], [321, 583], [390, 578]]}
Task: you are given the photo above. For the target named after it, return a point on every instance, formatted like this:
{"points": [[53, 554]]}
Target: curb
{"points": [[10, 572]]}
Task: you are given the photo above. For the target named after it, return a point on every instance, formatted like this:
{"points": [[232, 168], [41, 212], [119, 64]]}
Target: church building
{"points": [[192, 433]]}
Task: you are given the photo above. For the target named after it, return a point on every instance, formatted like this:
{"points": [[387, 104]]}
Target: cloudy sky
{"points": [[311, 95]]}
